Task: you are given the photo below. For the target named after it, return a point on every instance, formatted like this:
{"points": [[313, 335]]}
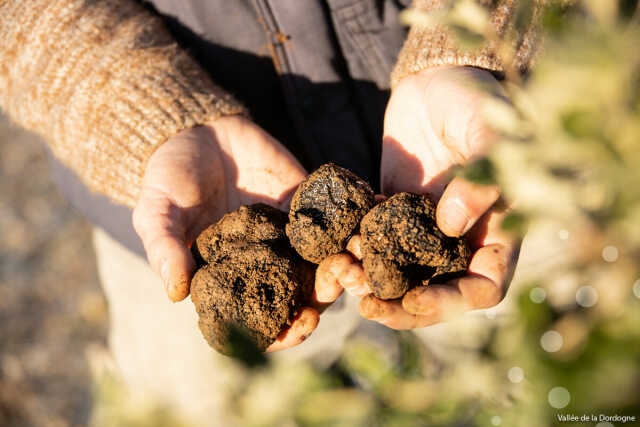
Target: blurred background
{"points": [[564, 343], [51, 304]]}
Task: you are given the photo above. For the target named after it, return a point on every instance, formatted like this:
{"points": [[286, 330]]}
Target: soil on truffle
{"points": [[402, 246], [326, 210], [250, 278]]}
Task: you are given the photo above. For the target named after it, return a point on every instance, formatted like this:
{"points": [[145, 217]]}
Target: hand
{"points": [[198, 176], [434, 122]]}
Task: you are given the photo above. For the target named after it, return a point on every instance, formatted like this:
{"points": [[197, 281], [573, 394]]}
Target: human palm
{"points": [[434, 122], [198, 176]]}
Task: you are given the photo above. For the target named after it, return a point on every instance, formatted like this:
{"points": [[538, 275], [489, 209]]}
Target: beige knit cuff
{"points": [[104, 83], [145, 109], [428, 47]]}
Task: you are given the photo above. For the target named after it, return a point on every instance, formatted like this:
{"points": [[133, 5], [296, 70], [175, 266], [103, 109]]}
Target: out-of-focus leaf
{"points": [[515, 222], [340, 407], [605, 11], [523, 18], [582, 124], [556, 16], [410, 354], [465, 38], [411, 17], [480, 172], [470, 15], [502, 117], [365, 361], [627, 9], [244, 349]]}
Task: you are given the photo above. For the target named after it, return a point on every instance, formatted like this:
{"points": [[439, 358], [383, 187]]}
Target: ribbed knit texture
{"points": [[428, 47], [104, 83]]}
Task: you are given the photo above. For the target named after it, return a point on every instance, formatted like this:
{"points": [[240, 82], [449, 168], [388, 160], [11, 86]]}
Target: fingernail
{"points": [[455, 217]]}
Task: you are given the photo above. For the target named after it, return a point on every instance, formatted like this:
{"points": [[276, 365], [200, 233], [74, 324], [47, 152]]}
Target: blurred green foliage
{"points": [[570, 155], [116, 407]]}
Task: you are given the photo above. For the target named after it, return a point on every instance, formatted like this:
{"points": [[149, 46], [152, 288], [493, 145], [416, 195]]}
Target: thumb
{"points": [[462, 204], [164, 241]]}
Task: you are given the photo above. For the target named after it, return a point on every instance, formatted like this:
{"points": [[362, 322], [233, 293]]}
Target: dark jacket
{"points": [[313, 73]]}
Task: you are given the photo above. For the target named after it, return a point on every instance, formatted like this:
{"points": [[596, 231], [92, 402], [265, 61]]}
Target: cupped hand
{"points": [[434, 122], [196, 177]]}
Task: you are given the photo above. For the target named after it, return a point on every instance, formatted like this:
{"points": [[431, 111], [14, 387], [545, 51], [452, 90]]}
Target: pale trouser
{"points": [[160, 352]]}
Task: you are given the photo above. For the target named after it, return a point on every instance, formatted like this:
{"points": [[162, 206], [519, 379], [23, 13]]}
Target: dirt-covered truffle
{"points": [[257, 223], [250, 279], [326, 210], [402, 246]]}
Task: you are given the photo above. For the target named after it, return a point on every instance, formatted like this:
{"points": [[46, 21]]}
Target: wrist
{"points": [[227, 129], [229, 124], [452, 74]]}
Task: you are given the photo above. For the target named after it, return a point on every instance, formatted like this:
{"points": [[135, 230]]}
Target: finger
{"points": [[489, 271], [495, 262], [442, 303], [327, 288], [164, 242], [462, 204], [354, 246], [498, 251], [391, 314], [301, 327], [173, 262], [488, 229], [337, 273]]}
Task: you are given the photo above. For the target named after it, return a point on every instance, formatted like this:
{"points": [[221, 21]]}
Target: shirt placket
{"points": [[317, 92]]}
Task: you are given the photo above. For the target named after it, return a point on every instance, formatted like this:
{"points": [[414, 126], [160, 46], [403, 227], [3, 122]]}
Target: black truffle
{"points": [[326, 210], [251, 278], [402, 246]]}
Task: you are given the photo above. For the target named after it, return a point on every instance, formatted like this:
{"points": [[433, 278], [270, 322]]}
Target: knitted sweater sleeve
{"points": [[104, 83], [432, 46]]}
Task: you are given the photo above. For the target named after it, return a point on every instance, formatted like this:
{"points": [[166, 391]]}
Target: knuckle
{"points": [[367, 307], [327, 272], [323, 271], [491, 297], [353, 274], [339, 264], [392, 325], [409, 302]]}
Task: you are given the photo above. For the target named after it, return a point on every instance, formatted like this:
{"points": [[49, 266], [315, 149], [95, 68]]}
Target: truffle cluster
{"points": [[250, 278], [253, 274]]}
